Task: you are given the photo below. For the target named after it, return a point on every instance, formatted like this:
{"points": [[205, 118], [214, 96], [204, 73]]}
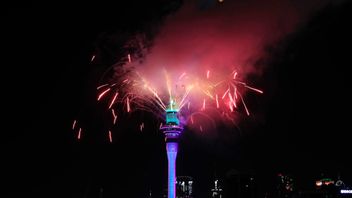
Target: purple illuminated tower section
{"points": [[172, 131]]}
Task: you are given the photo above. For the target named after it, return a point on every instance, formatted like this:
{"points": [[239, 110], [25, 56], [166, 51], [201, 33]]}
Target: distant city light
{"points": [[325, 182], [318, 183], [345, 191]]}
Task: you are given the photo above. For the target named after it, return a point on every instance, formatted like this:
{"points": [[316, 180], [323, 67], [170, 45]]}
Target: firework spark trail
{"points": [[182, 75], [79, 134], [141, 127], [227, 91], [203, 108], [230, 106], [159, 101], [74, 124], [136, 93], [148, 104], [101, 86], [232, 101], [241, 45], [209, 88], [235, 92], [110, 136], [129, 58], [254, 89], [146, 85], [103, 93], [217, 101], [92, 59], [168, 84], [244, 104], [234, 75], [128, 104], [113, 99], [182, 102], [207, 92], [114, 116]]}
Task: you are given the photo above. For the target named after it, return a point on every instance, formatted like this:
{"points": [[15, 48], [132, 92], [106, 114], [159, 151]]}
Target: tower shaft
{"points": [[171, 149]]}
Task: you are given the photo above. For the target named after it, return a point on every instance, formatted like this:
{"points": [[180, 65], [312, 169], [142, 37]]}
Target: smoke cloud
{"points": [[222, 36], [206, 43]]}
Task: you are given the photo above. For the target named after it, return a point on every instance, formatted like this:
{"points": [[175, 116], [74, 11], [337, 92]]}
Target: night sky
{"points": [[301, 128]]}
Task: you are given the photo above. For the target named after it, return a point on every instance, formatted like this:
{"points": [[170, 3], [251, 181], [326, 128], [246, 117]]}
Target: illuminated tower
{"points": [[172, 131]]}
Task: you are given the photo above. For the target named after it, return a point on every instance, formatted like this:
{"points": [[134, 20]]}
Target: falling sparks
{"points": [[203, 108], [254, 89], [141, 126], [235, 93], [182, 75], [138, 91], [79, 134], [193, 87], [184, 97], [103, 93], [159, 101], [114, 116], [113, 100], [234, 75], [110, 136], [227, 91], [217, 101], [101, 86], [129, 58], [232, 101], [74, 124], [244, 104], [92, 59], [128, 104], [134, 92], [230, 106], [168, 84]]}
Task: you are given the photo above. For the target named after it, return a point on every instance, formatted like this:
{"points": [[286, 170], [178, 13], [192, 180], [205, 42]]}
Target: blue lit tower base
{"points": [[172, 131]]}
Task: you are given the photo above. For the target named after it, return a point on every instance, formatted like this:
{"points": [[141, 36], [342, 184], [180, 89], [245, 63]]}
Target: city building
{"points": [[184, 187], [217, 191], [239, 184], [285, 186]]}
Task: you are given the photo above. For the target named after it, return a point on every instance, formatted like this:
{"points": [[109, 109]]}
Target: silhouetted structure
{"points": [[217, 191], [184, 187], [239, 184]]}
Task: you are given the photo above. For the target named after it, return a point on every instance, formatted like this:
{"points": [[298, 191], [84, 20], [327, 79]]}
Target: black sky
{"points": [[47, 82]]}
